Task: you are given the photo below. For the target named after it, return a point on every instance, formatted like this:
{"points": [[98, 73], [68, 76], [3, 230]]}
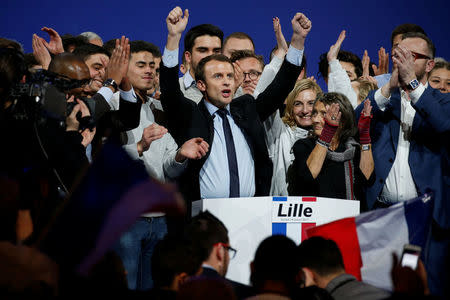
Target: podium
{"points": [[250, 220]]}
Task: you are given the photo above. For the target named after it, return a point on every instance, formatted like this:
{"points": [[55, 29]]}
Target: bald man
{"points": [[126, 118]]}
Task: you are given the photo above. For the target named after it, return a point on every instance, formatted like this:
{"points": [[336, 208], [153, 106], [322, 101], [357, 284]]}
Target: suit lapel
{"points": [[395, 107]]}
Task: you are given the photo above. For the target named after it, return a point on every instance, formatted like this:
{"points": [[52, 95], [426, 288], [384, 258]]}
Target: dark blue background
{"points": [[368, 23]]}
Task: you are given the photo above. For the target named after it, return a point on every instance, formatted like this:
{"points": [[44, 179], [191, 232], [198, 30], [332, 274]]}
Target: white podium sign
{"points": [[251, 220]]}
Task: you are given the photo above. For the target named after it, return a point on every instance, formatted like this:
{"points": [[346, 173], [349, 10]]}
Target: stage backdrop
{"points": [[368, 23]]}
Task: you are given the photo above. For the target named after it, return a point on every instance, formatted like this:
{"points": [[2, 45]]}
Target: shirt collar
{"points": [[188, 80], [212, 108]]}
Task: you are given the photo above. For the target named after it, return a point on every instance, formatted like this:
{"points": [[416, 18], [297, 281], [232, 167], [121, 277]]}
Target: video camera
{"points": [[43, 96]]}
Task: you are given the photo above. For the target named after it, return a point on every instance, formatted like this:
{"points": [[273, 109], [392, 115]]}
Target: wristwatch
{"points": [[365, 147], [110, 82], [412, 85]]}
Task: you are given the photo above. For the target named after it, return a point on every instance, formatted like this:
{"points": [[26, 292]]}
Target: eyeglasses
{"points": [[230, 249], [419, 56], [253, 75]]}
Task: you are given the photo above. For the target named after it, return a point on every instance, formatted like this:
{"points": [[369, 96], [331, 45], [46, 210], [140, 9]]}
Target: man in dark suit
{"points": [[210, 238], [230, 126], [410, 135]]}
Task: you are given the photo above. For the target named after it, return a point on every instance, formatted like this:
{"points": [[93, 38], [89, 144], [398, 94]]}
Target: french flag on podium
{"points": [[368, 240]]}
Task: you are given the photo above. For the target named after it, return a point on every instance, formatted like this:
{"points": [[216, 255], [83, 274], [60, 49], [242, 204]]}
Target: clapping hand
{"points": [[40, 52], [117, 67], [383, 62], [334, 49], [55, 45]]}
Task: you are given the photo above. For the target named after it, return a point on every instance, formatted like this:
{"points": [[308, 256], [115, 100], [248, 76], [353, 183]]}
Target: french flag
{"points": [[368, 240]]}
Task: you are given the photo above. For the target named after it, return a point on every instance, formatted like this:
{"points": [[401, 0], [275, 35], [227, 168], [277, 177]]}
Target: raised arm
{"points": [[338, 80], [319, 153], [366, 164], [269, 100], [271, 69]]}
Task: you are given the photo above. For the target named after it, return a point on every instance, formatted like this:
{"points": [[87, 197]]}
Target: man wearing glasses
{"points": [[210, 237], [410, 138], [251, 66]]}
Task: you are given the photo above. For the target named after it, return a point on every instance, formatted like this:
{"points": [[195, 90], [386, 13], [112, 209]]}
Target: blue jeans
{"points": [[135, 248]]}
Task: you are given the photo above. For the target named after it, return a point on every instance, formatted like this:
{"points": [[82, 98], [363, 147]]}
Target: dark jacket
{"points": [[187, 120]]}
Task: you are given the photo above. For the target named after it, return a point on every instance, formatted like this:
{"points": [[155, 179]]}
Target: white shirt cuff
{"points": [[417, 93], [381, 100], [106, 93], [294, 56], [129, 96], [170, 58]]}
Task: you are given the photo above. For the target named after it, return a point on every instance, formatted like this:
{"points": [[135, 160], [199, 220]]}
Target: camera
{"points": [[42, 97]]}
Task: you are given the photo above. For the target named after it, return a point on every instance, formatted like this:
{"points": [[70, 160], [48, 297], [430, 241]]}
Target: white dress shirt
{"points": [[399, 185]]}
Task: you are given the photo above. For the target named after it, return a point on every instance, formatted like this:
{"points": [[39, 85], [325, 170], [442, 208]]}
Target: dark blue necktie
{"points": [[231, 153]]}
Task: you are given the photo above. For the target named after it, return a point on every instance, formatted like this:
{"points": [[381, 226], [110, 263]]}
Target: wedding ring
{"points": [[333, 118]]}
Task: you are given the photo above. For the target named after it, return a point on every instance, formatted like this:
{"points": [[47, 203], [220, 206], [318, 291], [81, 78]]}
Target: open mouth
{"points": [[226, 93]]}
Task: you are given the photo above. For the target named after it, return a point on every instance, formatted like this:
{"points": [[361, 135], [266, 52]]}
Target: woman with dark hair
{"points": [[330, 163]]}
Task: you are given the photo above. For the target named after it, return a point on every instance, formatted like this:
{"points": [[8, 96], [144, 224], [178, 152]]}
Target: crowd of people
{"points": [[230, 126]]}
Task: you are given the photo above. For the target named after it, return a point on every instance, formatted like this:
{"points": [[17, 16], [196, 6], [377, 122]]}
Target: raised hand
{"points": [[55, 45], [333, 115], [282, 46], [312, 78], [150, 134], [404, 60], [334, 49], [393, 83], [238, 74], [249, 88], [88, 136], [383, 62], [40, 52], [301, 26], [176, 21], [365, 64], [117, 67], [195, 148], [176, 24]]}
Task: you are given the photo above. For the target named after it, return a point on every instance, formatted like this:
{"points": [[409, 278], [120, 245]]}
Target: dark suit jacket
{"points": [[187, 120], [428, 150], [242, 291]]}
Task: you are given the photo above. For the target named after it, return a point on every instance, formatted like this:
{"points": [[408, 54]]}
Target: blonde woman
{"points": [[282, 133]]}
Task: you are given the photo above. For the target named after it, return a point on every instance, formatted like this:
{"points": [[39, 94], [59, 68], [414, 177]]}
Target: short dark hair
{"points": [[7, 43], [70, 40], [171, 257], [241, 54], [12, 69], [200, 70], [275, 259], [347, 127], [239, 35], [430, 45], [200, 30], [30, 60], [405, 28], [139, 46], [110, 45], [345, 56], [205, 230], [320, 255], [85, 51]]}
